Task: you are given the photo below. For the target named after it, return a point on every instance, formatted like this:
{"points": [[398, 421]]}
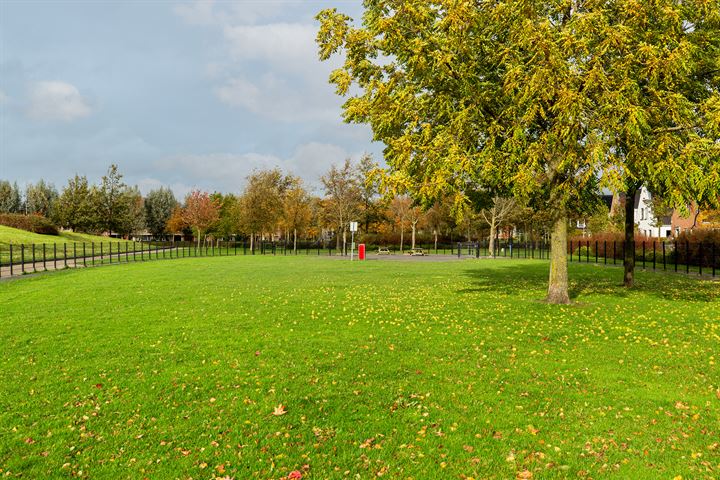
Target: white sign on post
{"points": [[353, 229]]}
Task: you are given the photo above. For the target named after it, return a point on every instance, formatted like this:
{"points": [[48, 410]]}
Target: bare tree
{"points": [[369, 192], [400, 208], [415, 216], [343, 198], [495, 216], [437, 218]]}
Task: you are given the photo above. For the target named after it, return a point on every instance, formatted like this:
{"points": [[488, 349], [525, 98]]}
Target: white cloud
{"points": [[279, 99], [57, 101], [209, 12], [199, 12], [288, 47], [227, 172]]}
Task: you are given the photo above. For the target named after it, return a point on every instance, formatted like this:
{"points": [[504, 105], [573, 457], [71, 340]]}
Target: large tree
{"points": [[159, 206], [467, 97]]}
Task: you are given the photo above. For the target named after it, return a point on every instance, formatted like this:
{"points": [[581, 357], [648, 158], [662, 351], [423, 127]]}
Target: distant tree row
{"points": [[111, 206], [273, 206]]}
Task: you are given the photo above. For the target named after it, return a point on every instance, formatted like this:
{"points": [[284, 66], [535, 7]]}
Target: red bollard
{"points": [[361, 251]]}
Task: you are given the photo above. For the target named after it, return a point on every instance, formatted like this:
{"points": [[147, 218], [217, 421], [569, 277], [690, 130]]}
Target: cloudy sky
{"points": [[187, 94]]}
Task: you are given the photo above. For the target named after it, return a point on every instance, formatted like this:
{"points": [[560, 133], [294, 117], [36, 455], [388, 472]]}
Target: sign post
{"points": [[353, 229]]}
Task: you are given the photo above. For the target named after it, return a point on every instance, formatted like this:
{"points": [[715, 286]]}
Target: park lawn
{"points": [[402, 369]]}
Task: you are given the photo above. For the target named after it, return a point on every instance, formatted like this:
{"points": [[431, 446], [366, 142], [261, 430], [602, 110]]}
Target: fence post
{"points": [[11, 260], [84, 256], [687, 257], [54, 255], [33, 257], [700, 258], [22, 257], [92, 252], [102, 260], [65, 254], [605, 251], [587, 254], [676, 255], [44, 260], [643, 257], [654, 254], [664, 262], [614, 252]]}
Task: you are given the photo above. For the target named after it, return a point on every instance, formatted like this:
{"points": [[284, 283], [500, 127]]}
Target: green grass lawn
{"points": [[402, 369]]}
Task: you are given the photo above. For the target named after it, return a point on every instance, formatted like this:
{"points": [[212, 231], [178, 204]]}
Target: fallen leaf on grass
{"points": [[279, 410]]}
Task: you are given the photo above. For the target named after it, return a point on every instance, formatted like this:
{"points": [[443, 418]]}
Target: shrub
{"points": [[31, 223]]}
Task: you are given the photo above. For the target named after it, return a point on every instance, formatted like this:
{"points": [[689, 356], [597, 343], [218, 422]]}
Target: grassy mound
{"points": [[30, 223]]}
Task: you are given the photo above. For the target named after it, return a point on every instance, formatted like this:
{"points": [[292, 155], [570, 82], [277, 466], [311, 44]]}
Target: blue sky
{"points": [[185, 94]]}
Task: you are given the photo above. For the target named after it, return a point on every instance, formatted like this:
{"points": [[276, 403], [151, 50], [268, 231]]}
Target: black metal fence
{"points": [[685, 257]]}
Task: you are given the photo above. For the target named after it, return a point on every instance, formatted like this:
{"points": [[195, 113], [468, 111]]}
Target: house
{"points": [[648, 223], [652, 225]]}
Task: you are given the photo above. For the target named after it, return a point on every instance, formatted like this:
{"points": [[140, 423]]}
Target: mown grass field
{"points": [[397, 369]]}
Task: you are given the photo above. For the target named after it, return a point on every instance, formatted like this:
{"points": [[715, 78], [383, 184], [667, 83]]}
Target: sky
{"points": [[193, 94]]}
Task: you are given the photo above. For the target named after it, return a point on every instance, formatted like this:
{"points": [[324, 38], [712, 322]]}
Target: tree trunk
{"points": [[344, 250], [413, 235], [629, 259], [491, 247], [436, 235], [294, 240], [252, 243], [337, 241], [558, 284], [402, 237]]}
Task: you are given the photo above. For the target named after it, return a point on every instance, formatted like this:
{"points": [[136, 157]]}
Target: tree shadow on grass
{"points": [[585, 280]]}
